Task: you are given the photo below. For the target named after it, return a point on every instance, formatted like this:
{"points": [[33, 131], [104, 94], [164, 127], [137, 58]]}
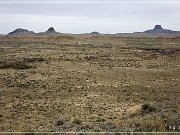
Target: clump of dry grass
{"points": [[36, 59], [77, 121]]}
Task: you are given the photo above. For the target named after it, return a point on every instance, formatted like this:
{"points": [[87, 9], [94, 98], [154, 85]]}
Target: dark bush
{"points": [[60, 122], [147, 108], [33, 59], [20, 65], [15, 65]]}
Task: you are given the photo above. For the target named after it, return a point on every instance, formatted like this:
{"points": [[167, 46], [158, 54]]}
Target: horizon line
{"points": [[88, 32], [90, 2]]}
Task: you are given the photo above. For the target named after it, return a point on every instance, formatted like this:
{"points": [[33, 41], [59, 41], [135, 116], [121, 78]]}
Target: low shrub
{"points": [[15, 65], [77, 121], [147, 108], [33, 59], [60, 122]]}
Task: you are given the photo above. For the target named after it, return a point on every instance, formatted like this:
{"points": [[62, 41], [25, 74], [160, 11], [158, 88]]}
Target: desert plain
{"points": [[89, 83]]}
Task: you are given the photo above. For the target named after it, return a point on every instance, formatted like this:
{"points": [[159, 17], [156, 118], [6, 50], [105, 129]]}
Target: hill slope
{"points": [[159, 30], [20, 31]]}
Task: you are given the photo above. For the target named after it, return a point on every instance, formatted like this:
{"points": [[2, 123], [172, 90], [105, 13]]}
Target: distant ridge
{"points": [[95, 33], [20, 31], [159, 30]]}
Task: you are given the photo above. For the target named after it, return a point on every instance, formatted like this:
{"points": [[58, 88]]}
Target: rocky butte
{"points": [[159, 30], [50, 31], [20, 31]]}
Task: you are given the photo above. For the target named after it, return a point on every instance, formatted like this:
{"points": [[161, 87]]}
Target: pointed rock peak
{"points": [[158, 27], [51, 29]]}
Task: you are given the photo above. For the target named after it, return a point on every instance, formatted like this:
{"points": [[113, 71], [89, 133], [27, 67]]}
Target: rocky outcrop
{"points": [[95, 33], [159, 30], [50, 31], [158, 27], [20, 31]]}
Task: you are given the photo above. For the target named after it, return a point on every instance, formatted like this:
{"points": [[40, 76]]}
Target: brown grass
{"points": [[93, 83]]}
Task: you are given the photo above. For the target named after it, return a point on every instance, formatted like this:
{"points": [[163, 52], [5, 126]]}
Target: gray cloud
{"points": [[86, 17]]}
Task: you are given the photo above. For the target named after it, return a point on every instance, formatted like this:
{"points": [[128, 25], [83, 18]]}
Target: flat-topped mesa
{"points": [[158, 27], [95, 33], [159, 30]]}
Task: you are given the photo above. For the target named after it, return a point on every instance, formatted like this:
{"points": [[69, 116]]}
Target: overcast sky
{"points": [[87, 17]]}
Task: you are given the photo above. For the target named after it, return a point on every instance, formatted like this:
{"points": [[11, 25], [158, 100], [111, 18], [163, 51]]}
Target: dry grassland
{"points": [[89, 83]]}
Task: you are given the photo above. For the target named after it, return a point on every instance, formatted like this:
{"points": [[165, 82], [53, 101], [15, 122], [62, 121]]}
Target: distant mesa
{"points": [[95, 33], [159, 30], [158, 27], [20, 31], [51, 30]]}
